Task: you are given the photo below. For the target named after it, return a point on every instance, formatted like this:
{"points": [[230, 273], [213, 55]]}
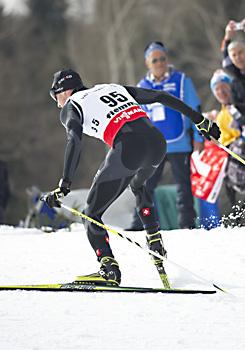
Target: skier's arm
{"points": [[147, 96], [71, 117]]}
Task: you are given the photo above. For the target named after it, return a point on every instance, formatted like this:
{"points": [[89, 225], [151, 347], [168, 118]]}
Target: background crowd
{"points": [[105, 41]]}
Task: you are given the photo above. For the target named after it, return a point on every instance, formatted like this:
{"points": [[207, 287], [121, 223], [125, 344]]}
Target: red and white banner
{"points": [[208, 171]]}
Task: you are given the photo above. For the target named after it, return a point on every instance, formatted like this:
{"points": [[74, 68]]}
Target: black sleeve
{"points": [[241, 107], [238, 94], [72, 119], [147, 96]]}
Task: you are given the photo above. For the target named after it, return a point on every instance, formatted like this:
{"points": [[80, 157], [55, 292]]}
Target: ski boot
{"points": [[108, 275], [155, 243]]}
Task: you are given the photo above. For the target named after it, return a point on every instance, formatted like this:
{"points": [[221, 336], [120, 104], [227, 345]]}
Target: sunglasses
{"points": [[160, 59]]}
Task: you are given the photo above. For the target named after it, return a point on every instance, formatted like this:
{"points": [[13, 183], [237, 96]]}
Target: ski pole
{"points": [[109, 229], [233, 154]]}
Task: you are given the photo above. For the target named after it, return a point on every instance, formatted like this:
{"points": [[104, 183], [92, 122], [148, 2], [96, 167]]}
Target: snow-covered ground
{"points": [[71, 321]]}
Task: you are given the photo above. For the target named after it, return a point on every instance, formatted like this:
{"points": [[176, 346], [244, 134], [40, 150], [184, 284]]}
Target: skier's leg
{"points": [[150, 185], [144, 199], [110, 181]]}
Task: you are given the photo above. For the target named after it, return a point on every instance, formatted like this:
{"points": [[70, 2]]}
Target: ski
{"points": [[76, 287]]}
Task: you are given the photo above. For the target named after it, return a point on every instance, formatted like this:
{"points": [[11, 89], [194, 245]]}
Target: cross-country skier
{"points": [[112, 113]]}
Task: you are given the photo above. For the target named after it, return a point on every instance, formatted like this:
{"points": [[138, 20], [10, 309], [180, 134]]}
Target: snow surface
{"points": [[71, 321]]}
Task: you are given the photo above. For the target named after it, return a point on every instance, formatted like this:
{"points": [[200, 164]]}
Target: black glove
{"points": [[208, 128], [52, 198]]}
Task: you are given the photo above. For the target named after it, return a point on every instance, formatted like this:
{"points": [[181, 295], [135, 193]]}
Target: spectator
{"points": [[228, 116], [164, 77], [230, 121], [212, 156], [4, 190], [234, 64]]}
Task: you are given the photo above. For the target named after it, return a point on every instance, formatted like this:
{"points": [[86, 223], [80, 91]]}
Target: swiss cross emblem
{"points": [[146, 211]]}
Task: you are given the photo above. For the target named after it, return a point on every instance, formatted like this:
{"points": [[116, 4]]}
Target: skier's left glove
{"points": [[208, 128], [52, 198]]}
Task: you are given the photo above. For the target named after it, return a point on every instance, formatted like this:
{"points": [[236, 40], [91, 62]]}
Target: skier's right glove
{"points": [[53, 198], [208, 128]]}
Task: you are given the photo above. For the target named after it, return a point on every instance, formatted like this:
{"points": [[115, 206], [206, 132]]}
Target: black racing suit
{"points": [[137, 151]]}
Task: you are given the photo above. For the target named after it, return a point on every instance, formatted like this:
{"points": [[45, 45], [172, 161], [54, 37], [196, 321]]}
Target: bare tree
{"points": [[104, 40]]}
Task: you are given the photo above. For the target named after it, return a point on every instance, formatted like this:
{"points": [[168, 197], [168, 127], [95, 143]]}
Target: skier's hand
{"points": [[208, 128], [53, 198]]}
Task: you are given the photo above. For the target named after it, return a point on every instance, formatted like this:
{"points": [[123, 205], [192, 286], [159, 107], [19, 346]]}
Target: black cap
{"points": [[66, 79]]}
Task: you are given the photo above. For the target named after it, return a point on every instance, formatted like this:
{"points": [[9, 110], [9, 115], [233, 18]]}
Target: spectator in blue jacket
{"points": [[179, 132]]}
